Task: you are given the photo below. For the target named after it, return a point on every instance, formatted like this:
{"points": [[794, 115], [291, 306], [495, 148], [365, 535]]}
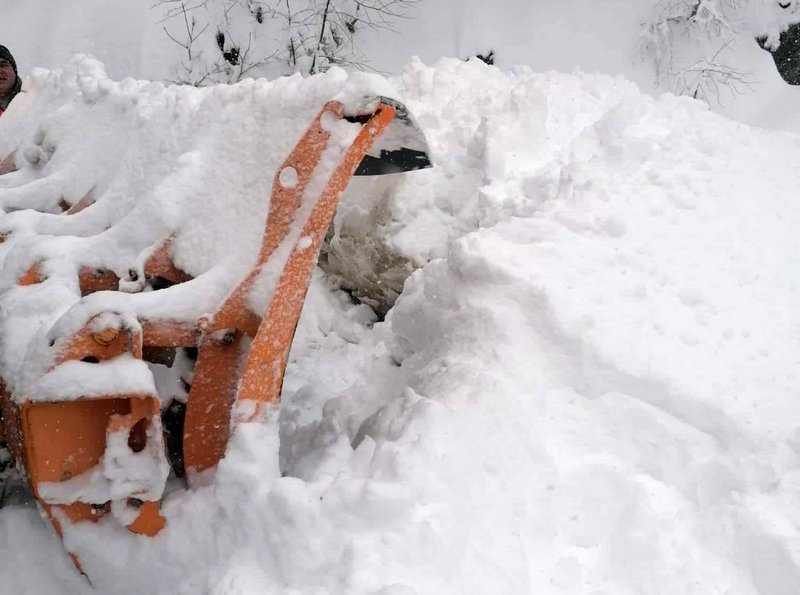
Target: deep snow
{"points": [[586, 386]]}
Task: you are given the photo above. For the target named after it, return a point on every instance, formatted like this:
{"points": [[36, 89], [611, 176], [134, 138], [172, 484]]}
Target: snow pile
{"points": [[495, 147], [587, 387]]}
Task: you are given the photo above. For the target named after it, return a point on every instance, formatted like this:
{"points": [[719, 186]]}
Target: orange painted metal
{"points": [[102, 343], [7, 165], [60, 440], [208, 408], [208, 412], [149, 520], [242, 355], [170, 334], [160, 265], [86, 201], [64, 439], [262, 378], [93, 280], [32, 276], [213, 392], [74, 515]]}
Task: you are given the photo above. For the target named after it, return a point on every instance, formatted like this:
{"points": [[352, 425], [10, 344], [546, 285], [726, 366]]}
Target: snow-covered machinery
{"points": [[103, 450]]}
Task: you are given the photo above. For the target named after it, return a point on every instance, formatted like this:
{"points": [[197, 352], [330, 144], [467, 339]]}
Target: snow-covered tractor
{"points": [[82, 417]]}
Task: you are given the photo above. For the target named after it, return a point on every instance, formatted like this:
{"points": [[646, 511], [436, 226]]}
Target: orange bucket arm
{"points": [[262, 378], [214, 387]]}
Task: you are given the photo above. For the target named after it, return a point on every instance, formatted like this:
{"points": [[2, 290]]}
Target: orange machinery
{"points": [[57, 442]]}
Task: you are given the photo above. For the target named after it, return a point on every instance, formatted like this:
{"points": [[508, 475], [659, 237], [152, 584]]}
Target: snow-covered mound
{"points": [[587, 385]]}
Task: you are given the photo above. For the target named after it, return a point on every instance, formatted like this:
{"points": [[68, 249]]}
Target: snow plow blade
{"points": [[103, 452], [401, 148]]}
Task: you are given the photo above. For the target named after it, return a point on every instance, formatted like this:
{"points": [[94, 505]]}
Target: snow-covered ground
{"points": [[587, 384]]}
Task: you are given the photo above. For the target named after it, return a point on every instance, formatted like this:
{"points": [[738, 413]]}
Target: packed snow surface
{"points": [[587, 385]]}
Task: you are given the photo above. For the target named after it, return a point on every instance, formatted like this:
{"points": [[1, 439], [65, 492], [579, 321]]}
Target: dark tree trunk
{"points": [[787, 56]]}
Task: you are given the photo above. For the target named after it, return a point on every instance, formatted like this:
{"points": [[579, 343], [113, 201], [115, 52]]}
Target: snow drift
{"points": [[587, 383]]}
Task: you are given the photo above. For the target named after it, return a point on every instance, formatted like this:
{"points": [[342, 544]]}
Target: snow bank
{"points": [[587, 386]]}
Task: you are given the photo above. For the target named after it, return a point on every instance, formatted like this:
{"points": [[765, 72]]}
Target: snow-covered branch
{"points": [[224, 40], [689, 43]]}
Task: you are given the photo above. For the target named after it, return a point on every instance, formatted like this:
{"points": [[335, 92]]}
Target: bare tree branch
{"points": [[308, 36], [705, 28]]}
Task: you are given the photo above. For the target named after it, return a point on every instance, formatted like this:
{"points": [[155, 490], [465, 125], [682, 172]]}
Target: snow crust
{"points": [[587, 385]]}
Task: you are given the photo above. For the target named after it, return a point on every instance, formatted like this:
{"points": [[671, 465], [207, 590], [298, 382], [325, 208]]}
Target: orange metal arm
{"points": [[214, 386]]}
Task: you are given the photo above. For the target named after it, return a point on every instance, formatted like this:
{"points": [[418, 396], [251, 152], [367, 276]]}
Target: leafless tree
{"points": [[224, 40], [689, 43]]}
